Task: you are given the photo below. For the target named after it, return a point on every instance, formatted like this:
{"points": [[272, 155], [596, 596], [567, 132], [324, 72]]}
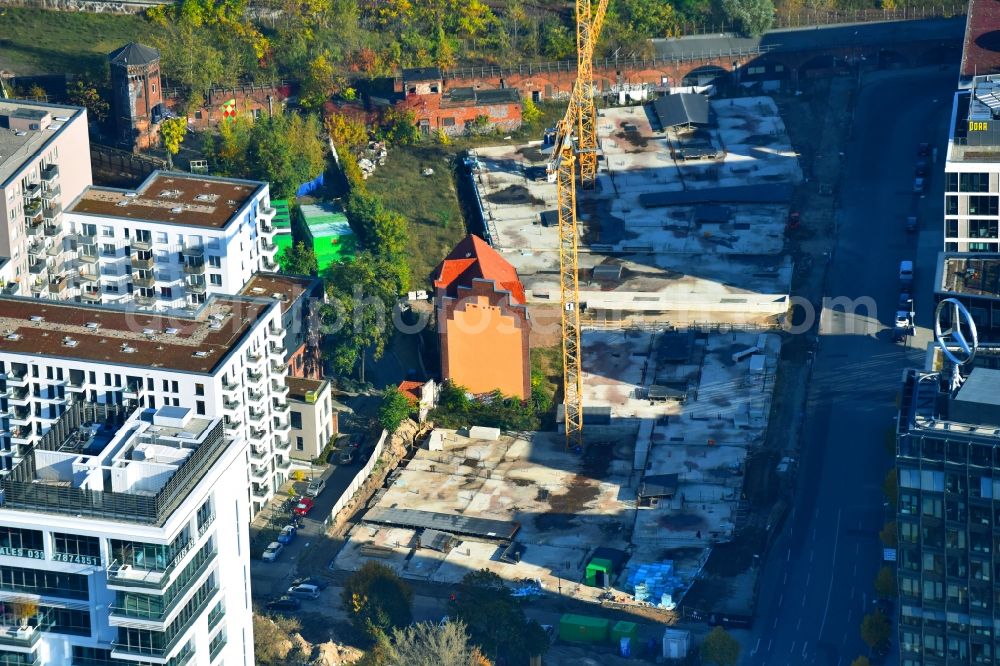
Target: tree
{"points": [[380, 230], [428, 644], [875, 630], [888, 534], [357, 317], [172, 131], [376, 599], [396, 407], [530, 113], [861, 661], [299, 259], [885, 583], [720, 648], [399, 128], [891, 487], [556, 40], [345, 131], [83, 93], [37, 93], [191, 60], [754, 16], [318, 84], [495, 619]]}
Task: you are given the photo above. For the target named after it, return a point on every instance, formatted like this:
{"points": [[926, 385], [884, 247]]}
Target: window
{"points": [[166, 292], [982, 205], [215, 279], [176, 387], [296, 418], [299, 444], [951, 205], [108, 232], [951, 228], [982, 228], [214, 261], [199, 407], [197, 115], [77, 548], [161, 238], [108, 250], [447, 122], [38, 581], [951, 182], [199, 389], [17, 542], [974, 182]]}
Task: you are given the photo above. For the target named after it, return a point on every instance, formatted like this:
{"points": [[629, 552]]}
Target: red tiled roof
{"points": [[411, 390], [474, 258], [981, 51]]}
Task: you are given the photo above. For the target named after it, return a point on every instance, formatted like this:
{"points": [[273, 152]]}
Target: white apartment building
{"points": [[172, 241], [311, 415], [224, 360], [44, 163], [123, 540], [972, 169]]}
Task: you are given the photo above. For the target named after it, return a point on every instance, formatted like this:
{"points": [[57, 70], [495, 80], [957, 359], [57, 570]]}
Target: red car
{"points": [[303, 507]]}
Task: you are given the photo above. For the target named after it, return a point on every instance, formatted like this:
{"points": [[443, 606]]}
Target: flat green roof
{"points": [[282, 218]]}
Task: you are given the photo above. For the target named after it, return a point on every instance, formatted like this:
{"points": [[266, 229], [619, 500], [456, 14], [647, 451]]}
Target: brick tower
{"points": [[137, 102]]}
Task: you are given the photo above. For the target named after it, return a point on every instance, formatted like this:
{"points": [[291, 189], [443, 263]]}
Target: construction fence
{"points": [[359, 478]]}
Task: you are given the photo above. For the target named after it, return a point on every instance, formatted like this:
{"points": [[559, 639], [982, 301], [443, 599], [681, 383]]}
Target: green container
{"points": [[624, 629], [583, 629], [599, 572]]}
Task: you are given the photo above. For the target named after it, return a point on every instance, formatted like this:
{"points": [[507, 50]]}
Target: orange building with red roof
{"points": [[483, 323]]}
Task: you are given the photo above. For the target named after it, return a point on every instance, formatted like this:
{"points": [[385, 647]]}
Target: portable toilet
{"points": [[676, 643], [624, 629], [599, 572]]}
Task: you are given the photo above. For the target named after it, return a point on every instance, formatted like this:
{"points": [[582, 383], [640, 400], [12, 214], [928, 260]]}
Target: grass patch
{"points": [[40, 41], [430, 203], [546, 382]]}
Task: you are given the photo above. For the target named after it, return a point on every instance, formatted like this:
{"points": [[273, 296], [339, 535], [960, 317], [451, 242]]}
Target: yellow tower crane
{"points": [[581, 115]]}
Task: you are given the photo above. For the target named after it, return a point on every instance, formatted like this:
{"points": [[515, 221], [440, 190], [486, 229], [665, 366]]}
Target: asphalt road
{"points": [[818, 581]]}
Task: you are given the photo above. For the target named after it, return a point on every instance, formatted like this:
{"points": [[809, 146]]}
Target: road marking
{"points": [[829, 592], [755, 647], [808, 578]]}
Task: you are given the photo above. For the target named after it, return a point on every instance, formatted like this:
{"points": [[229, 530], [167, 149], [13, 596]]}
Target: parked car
{"points": [[903, 319], [284, 603], [911, 224], [918, 185], [315, 487], [905, 300], [304, 591], [303, 507], [356, 440], [312, 580], [347, 457], [272, 551], [906, 273], [287, 534]]}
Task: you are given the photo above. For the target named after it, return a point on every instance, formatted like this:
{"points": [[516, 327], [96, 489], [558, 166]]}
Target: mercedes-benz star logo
{"points": [[952, 339]]}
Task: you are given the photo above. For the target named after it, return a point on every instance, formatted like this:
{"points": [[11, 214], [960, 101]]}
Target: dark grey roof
{"points": [[977, 402], [658, 485], [435, 540], [882, 34], [422, 74], [777, 193], [681, 109], [712, 214], [664, 392], [134, 53], [498, 96], [444, 522]]}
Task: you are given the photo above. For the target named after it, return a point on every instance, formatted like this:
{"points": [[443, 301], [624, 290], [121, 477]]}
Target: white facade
{"points": [[172, 241], [972, 172], [226, 361], [152, 567], [44, 163]]}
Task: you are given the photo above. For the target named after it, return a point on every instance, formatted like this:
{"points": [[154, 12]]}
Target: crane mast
{"points": [[581, 117]]}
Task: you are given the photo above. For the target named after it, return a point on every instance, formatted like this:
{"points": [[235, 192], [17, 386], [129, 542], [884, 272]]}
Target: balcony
{"points": [[194, 268], [268, 248], [19, 637], [268, 264], [258, 473], [254, 357], [90, 296], [51, 193], [280, 407], [140, 280], [283, 464], [280, 389], [267, 213], [255, 376], [32, 192], [145, 264], [87, 258], [256, 417], [256, 396], [157, 620], [15, 378], [55, 249], [282, 444], [52, 230], [277, 351], [51, 212], [258, 455], [193, 251], [33, 210], [38, 268], [231, 405], [58, 285], [50, 173], [196, 288], [276, 331], [141, 244], [133, 391], [279, 367], [145, 301], [261, 491], [122, 575], [36, 248], [233, 425], [230, 386]]}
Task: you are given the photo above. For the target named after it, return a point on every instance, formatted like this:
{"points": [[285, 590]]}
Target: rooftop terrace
{"points": [[21, 144], [302, 389], [98, 461], [172, 198], [106, 334], [972, 274]]}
